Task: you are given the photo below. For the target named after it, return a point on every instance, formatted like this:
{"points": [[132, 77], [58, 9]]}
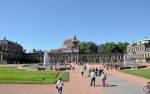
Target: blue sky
{"points": [[45, 24]]}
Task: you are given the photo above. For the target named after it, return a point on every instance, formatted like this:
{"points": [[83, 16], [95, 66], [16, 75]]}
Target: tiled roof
{"points": [[68, 42], [57, 50]]}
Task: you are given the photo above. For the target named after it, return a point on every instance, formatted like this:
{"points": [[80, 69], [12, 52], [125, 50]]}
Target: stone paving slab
{"points": [[120, 86]]}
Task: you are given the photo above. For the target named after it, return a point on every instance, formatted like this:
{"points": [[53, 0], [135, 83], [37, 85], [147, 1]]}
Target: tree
{"points": [[111, 47], [116, 50], [123, 46], [88, 47]]}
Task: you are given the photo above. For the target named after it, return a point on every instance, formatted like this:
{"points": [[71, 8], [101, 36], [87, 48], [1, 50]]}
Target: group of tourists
{"points": [[86, 70], [93, 77]]}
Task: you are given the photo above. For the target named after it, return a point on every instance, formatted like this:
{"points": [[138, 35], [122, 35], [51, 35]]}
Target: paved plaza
{"points": [[121, 86], [117, 83]]}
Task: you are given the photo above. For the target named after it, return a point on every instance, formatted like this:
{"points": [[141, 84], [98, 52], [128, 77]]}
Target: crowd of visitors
{"points": [[87, 71]]}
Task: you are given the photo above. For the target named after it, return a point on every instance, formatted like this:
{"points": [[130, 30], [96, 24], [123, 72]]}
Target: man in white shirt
{"points": [[93, 78], [59, 86]]}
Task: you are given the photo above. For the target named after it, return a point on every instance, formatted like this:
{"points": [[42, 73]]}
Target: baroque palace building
{"points": [[12, 53], [70, 52], [139, 51]]}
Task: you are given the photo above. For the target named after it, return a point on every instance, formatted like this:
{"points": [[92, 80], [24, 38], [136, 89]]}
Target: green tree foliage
{"points": [[111, 47], [88, 47], [123, 46]]}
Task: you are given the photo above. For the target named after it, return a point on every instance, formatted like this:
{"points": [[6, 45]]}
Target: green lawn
{"points": [[139, 72], [13, 75]]}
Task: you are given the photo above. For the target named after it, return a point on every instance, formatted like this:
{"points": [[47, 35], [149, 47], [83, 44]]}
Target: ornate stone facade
{"points": [[13, 53], [10, 51], [38, 55], [85, 58], [139, 51], [70, 53]]}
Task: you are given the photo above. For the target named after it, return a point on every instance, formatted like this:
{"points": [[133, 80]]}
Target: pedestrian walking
{"points": [[59, 86], [103, 79], [93, 78], [82, 70]]}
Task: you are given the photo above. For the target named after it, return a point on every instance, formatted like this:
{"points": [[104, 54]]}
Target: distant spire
{"points": [[75, 38], [4, 38]]}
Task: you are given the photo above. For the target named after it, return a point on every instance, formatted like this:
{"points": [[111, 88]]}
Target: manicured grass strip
{"points": [[139, 72], [13, 75], [64, 75]]}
